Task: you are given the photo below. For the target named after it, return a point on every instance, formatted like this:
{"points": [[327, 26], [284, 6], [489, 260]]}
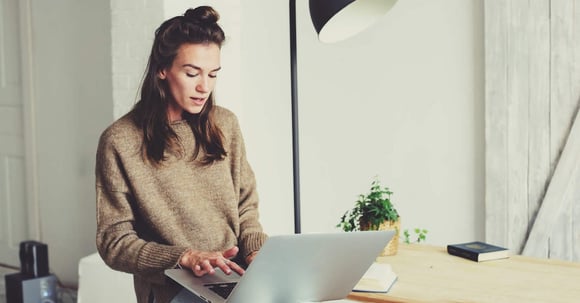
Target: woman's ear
{"points": [[162, 74]]}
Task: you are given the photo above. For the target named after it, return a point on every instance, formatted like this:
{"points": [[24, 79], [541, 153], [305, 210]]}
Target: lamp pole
{"points": [[294, 103]]}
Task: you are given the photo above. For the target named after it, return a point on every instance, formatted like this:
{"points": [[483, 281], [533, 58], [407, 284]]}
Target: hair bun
{"points": [[202, 15]]}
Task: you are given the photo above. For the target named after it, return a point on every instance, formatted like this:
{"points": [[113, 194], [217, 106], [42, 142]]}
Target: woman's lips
{"points": [[198, 101]]}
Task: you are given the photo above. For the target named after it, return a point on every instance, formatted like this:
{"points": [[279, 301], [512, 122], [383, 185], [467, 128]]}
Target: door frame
{"points": [[29, 118]]}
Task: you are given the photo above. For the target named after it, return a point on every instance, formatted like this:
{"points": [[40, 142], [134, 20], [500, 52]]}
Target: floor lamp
{"points": [[334, 20]]}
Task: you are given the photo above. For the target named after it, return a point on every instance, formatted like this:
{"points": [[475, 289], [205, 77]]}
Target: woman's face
{"points": [[191, 78]]}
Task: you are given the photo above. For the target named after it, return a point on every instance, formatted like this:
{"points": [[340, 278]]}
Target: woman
{"points": [[174, 188]]}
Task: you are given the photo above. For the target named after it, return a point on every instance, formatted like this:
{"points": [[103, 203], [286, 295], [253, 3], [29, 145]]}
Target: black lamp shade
{"points": [[336, 20]]}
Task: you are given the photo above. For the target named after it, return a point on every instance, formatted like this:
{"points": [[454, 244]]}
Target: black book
{"points": [[478, 251]]}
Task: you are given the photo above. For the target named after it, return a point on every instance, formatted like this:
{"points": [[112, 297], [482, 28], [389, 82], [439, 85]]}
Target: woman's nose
{"points": [[203, 85]]}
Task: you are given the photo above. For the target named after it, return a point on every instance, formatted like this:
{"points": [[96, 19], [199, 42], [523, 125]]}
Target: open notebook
{"points": [[380, 277]]}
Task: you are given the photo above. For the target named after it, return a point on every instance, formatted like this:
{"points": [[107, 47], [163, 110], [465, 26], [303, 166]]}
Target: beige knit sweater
{"points": [[147, 216]]}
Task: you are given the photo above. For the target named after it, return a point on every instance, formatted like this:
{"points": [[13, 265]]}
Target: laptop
{"points": [[293, 268]]}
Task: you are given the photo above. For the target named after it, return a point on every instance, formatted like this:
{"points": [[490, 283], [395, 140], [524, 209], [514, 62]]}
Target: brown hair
{"points": [[196, 26]]}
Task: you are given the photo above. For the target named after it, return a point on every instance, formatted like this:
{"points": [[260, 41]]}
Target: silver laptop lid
{"points": [[309, 267]]}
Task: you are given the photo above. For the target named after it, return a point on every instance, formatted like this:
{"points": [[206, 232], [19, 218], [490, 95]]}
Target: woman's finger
{"points": [[197, 271], [202, 268], [237, 268], [207, 267], [231, 252], [224, 265]]}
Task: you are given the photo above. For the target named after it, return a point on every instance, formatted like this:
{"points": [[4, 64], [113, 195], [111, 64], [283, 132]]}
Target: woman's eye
{"points": [[213, 75], [191, 75]]}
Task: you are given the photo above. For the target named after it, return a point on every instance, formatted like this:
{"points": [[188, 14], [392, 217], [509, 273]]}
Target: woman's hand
{"points": [[203, 262], [250, 257]]}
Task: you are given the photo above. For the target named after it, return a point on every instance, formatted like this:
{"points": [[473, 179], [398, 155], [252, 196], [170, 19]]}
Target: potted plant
{"points": [[374, 211]]}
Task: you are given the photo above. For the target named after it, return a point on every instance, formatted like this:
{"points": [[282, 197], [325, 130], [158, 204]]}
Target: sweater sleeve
{"points": [[116, 238], [251, 236]]}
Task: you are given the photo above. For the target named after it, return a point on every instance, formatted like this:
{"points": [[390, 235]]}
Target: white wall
{"points": [[266, 122], [132, 27], [72, 94], [402, 100]]}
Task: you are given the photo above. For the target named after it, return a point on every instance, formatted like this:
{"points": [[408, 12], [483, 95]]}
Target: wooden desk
{"points": [[428, 274]]}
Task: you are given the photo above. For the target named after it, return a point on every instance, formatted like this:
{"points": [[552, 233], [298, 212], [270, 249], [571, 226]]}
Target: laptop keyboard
{"points": [[222, 289]]}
